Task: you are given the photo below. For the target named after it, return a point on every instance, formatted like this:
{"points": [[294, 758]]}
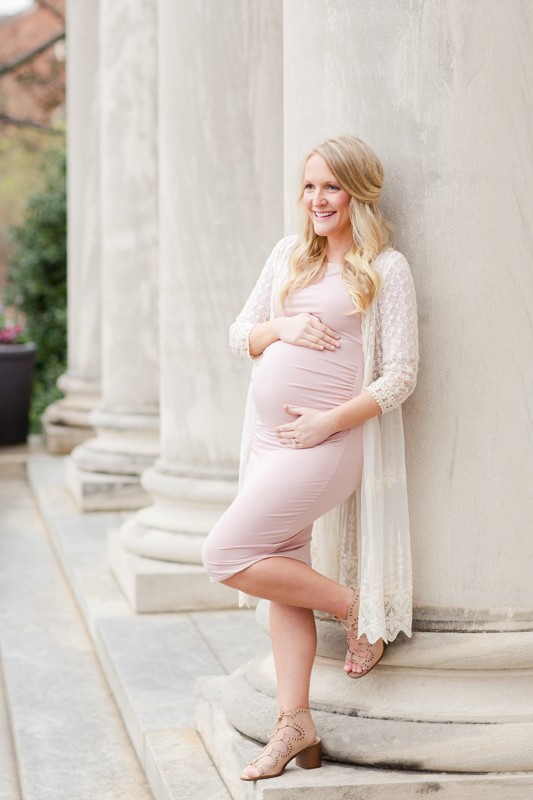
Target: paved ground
{"points": [[98, 702]]}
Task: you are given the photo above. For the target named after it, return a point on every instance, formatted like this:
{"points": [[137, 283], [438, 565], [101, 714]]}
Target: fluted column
{"points": [[221, 200], [453, 128], [104, 472], [66, 422]]}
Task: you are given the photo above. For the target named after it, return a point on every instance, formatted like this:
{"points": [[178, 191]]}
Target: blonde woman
{"points": [[332, 326]]}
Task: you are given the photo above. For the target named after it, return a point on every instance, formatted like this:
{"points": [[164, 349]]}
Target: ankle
{"points": [[346, 602]]}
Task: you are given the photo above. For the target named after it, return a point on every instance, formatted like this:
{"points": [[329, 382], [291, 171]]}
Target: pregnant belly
{"points": [[299, 376]]}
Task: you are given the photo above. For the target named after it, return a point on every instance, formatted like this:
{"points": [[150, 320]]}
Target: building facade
{"points": [[187, 123]]}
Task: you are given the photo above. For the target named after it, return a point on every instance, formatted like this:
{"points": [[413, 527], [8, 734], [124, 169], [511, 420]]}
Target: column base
{"points": [[61, 439], [93, 491], [104, 473], [230, 751], [459, 702], [156, 586], [183, 512], [66, 422]]}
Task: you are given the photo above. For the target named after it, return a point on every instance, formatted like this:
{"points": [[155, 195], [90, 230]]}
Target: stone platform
{"points": [[64, 608], [66, 619]]}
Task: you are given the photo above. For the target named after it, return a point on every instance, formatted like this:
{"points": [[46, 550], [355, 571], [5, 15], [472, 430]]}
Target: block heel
{"points": [[311, 757], [292, 737]]}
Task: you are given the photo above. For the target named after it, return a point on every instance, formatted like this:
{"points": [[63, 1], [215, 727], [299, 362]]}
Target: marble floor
{"points": [[98, 702]]}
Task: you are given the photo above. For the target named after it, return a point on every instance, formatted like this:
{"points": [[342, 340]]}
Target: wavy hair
{"points": [[359, 172]]}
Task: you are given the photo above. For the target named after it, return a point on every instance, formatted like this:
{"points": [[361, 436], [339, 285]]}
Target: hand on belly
{"points": [[308, 428], [302, 378]]}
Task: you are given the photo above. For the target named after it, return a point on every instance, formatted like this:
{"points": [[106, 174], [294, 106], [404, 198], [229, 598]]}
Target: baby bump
{"points": [[300, 376]]}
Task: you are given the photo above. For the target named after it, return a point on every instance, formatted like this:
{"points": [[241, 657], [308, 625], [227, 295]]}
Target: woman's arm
{"points": [[399, 337], [253, 330], [256, 310], [304, 330], [399, 347], [312, 427]]}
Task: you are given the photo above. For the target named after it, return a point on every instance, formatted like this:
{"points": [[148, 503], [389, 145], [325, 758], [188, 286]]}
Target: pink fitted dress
{"points": [[287, 489]]}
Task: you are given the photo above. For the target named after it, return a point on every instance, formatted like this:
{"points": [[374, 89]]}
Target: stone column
{"points": [[66, 422], [104, 472], [221, 200], [453, 126]]}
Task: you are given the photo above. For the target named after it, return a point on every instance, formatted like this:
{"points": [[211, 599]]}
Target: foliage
{"points": [[21, 153], [11, 332], [37, 279]]}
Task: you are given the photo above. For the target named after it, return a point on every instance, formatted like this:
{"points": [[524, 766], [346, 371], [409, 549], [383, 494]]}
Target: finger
{"points": [[285, 434], [287, 427], [322, 340], [308, 343], [325, 329], [327, 339], [297, 411]]}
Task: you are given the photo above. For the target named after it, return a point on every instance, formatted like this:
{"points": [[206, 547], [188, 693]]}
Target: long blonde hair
{"points": [[359, 172]]}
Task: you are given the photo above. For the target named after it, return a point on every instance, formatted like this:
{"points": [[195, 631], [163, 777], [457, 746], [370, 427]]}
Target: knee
{"points": [[207, 555], [212, 554]]}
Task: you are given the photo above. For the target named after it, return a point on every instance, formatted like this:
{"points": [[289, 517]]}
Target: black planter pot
{"points": [[16, 378]]}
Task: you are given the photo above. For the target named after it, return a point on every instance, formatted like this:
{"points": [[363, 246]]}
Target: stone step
{"points": [[9, 784], [151, 661], [68, 734], [230, 750]]}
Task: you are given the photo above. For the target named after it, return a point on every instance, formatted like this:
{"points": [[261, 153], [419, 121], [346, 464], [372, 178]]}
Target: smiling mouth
{"points": [[323, 214]]}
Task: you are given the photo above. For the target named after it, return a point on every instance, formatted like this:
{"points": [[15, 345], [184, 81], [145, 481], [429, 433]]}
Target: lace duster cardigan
{"points": [[365, 540]]}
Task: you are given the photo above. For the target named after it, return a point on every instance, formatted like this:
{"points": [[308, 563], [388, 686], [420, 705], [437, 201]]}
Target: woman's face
{"points": [[326, 202]]}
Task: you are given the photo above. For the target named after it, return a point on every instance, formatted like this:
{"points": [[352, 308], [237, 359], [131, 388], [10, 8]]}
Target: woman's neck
{"points": [[336, 249]]}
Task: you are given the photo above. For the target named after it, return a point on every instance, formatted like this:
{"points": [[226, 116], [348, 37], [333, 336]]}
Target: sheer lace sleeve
{"points": [[396, 336], [257, 307]]}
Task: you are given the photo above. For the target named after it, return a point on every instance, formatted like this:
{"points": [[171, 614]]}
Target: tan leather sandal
{"points": [[359, 652], [293, 736]]}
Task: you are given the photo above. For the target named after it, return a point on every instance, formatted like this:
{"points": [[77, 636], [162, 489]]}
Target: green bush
{"points": [[37, 280]]}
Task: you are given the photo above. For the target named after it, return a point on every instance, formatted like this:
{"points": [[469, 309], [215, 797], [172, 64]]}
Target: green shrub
{"points": [[37, 280]]}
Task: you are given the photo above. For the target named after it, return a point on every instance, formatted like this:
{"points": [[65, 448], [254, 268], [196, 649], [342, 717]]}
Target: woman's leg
{"points": [[292, 583], [293, 635]]}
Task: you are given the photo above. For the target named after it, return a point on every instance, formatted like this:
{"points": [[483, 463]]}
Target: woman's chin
{"points": [[321, 229]]}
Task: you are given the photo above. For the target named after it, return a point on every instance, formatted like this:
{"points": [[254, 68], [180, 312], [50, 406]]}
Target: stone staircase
{"points": [[98, 702]]}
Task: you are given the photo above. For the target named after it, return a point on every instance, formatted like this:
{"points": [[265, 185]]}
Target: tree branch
{"points": [[30, 55], [28, 123]]}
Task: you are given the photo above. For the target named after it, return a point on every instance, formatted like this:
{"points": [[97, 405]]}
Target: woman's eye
{"points": [[332, 186], [308, 186]]}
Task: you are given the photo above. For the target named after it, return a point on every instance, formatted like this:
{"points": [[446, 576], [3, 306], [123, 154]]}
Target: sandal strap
{"points": [[278, 733]]}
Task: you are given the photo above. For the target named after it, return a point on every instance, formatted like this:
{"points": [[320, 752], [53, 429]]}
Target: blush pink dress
{"points": [[287, 489]]}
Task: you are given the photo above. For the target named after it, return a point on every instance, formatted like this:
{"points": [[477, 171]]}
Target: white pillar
{"points": [[221, 200], [104, 472], [66, 422], [414, 80]]}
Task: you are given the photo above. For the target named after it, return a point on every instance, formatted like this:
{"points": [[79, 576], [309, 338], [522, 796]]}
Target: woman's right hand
{"points": [[306, 330]]}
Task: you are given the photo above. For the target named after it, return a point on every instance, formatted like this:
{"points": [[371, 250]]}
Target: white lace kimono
{"points": [[365, 541]]}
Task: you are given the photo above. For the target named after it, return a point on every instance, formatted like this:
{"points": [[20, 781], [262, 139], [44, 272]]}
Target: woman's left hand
{"points": [[308, 429]]}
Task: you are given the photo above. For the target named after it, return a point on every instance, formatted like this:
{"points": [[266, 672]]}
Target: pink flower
{"points": [[10, 333]]}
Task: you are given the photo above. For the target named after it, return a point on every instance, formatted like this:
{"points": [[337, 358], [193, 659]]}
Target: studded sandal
{"points": [[359, 652], [293, 736]]}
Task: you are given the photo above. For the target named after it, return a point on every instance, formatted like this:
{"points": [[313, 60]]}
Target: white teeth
{"points": [[324, 213]]}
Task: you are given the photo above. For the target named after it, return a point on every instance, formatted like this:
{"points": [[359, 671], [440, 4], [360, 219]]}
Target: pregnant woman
{"points": [[331, 325]]}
